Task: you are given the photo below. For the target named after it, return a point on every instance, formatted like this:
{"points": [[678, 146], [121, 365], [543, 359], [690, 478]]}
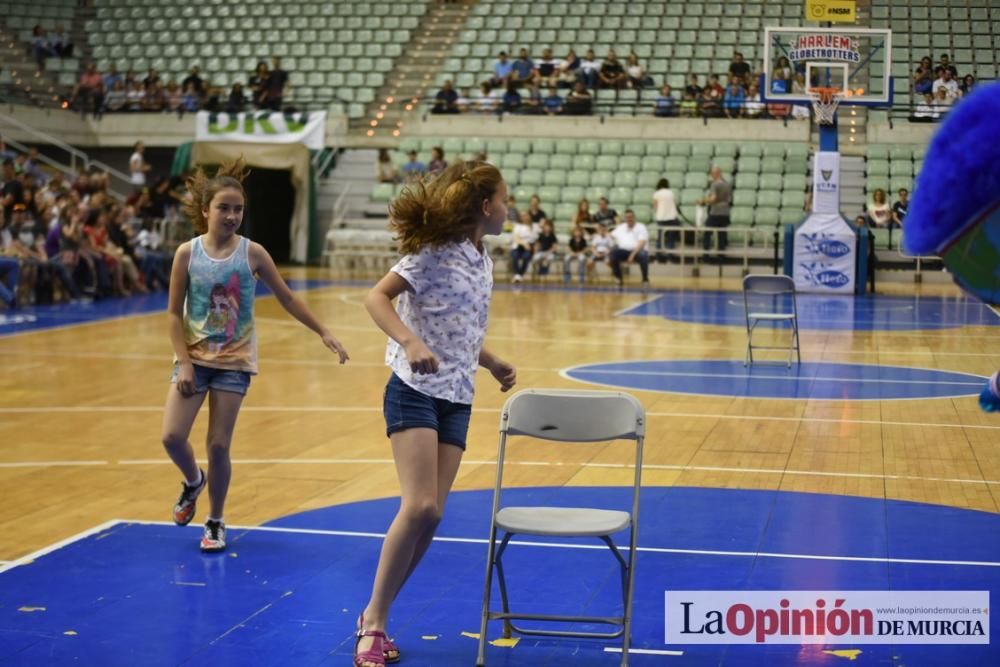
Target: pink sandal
{"points": [[374, 655], [387, 645]]}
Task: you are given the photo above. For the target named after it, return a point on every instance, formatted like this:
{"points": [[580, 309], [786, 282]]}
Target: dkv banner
{"points": [[825, 255], [263, 127]]}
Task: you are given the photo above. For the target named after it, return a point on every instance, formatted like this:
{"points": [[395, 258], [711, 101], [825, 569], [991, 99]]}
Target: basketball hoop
{"points": [[825, 102]]}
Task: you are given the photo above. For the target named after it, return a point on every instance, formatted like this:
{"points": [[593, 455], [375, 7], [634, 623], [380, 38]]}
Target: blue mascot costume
{"points": [[955, 211]]}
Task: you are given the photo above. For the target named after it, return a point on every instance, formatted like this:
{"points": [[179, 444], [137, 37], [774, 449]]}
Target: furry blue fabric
{"points": [[961, 172]]}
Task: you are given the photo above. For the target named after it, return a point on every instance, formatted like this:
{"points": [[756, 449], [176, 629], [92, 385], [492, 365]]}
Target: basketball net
{"points": [[825, 102]]}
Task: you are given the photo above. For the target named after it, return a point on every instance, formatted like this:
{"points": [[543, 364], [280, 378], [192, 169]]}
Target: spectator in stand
{"points": [[612, 74], [968, 83], [10, 274], [692, 88], [879, 213], [711, 97], [12, 191], [589, 70], [942, 101], [631, 240], [32, 166], [511, 99], [899, 209], [89, 91], [945, 63], [577, 252], [41, 47], [601, 244], [135, 96], [605, 214], [636, 73], [194, 79], [62, 43], [502, 69], [116, 99], [548, 69], [553, 103], [277, 85], [155, 98], [739, 69], [237, 101], [523, 72], [111, 78], [800, 111], [522, 242], [665, 105], [137, 165], [947, 82], [152, 79], [489, 99], [385, 171], [258, 85], [579, 102], [720, 195], [667, 222], [513, 214], [582, 216], [535, 210], [29, 244], [568, 71], [437, 163], [753, 107], [689, 106], [781, 76], [153, 261], [446, 100], [464, 101], [190, 100], [414, 170], [546, 248], [734, 99], [923, 77]]}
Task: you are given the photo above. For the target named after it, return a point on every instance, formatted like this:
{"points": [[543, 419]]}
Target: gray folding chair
{"points": [[777, 292], [565, 416]]}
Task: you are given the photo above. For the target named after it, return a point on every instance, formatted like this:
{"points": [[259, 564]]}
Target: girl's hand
{"points": [[185, 379], [505, 374], [421, 359], [334, 345]]}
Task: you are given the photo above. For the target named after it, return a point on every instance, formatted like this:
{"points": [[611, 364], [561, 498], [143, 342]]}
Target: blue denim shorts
{"points": [[206, 378], [404, 407]]}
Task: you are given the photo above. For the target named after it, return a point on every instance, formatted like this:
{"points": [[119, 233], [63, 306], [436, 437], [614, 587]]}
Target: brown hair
{"points": [[203, 189], [444, 209]]}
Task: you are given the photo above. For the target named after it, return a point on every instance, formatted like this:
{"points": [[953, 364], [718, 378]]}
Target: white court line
{"points": [[56, 409], [641, 651], [601, 547], [51, 464], [24, 560], [745, 376]]}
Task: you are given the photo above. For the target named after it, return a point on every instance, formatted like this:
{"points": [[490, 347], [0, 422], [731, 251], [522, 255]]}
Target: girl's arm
{"points": [[263, 266], [378, 303], [175, 319], [504, 372]]}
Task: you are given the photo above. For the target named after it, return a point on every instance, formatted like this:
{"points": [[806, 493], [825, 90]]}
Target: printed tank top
{"points": [[218, 309]]}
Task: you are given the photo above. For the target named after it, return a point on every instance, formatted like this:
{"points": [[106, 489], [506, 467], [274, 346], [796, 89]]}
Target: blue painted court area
{"points": [[288, 593], [35, 318], [809, 380], [865, 313]]}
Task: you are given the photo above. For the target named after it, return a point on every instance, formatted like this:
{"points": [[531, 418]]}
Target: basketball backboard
{"points": [[857, 61]]}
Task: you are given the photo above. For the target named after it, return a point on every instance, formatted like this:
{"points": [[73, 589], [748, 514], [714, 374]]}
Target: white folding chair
{"points": [[775, 291], [565, 416]]}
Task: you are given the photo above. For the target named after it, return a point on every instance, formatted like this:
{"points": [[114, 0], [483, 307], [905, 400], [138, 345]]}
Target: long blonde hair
{"points": [[444, 209], [202, 189]]}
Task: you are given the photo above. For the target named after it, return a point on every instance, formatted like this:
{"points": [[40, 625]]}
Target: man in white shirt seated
{"points": [[947, 82], [631, 240]]}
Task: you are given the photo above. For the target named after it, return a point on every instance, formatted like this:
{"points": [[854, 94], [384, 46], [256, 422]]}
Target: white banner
{"points": [[263, 127], [825, 255], [827, 617], [826, 182]]}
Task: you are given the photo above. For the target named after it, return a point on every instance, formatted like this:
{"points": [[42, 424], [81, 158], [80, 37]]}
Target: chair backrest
{"points": [[568, 415], [765, 283]]}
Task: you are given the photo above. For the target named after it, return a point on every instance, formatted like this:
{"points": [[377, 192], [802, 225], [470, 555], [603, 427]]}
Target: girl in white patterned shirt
{"points": [[436, 334]]}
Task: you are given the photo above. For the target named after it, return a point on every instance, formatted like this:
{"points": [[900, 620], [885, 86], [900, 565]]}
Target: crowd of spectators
{"points": [[44, 46], [571, 85], [71, 240], [113, 91], [936, 88]]}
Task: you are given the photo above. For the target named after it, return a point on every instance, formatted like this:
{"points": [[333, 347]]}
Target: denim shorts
{"points": [[404, 407], [206, 378]]}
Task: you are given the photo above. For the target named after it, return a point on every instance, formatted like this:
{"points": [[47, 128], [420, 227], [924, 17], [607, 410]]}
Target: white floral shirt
{"points": [[448, 309]]}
